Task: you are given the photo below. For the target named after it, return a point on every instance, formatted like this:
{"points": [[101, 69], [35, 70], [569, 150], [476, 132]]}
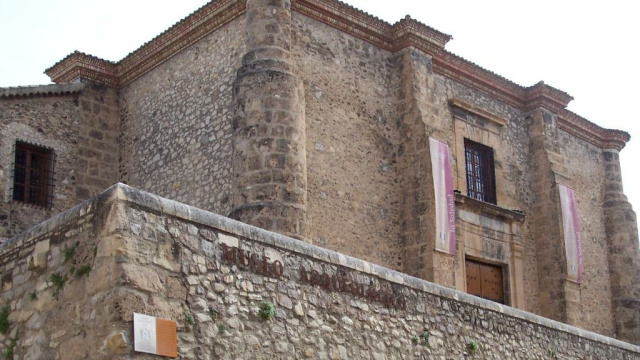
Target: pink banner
{"points": [[572, 236], [445, 202]]}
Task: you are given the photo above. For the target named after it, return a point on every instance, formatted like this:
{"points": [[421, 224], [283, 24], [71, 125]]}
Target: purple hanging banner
{"points": [[572, 235], [445, 202]]}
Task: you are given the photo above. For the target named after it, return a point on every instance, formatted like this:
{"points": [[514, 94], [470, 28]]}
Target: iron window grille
{"points": [[33, 171], [481, 182]]}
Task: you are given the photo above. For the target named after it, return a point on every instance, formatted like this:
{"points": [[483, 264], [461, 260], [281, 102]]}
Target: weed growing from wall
{"points": [[267, 310]]}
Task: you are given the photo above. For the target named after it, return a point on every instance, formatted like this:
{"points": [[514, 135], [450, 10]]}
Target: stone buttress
{"points": [[269, 126], [624, 255], [559, 297], [418, 123]]}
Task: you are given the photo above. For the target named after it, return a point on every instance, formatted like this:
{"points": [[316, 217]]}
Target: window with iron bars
{"points": [[33, 174], [481, 182]]}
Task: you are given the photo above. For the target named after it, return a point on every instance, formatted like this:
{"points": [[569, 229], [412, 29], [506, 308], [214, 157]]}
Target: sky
{"points": [[588, 49]]}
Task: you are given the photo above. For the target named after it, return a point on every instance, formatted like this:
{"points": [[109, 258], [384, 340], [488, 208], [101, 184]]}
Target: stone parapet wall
{"points": [[58, 289], [211, 275]]}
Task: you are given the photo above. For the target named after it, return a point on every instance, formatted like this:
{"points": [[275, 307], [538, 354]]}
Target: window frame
{"points": [[480, 171], [23, 190]]}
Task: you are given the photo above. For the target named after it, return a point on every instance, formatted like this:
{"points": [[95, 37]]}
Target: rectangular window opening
{"points": [[33, 174], [481, 184]]}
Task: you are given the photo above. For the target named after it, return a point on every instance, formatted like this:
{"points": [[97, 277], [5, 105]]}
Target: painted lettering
{"points": [[251, 261]]}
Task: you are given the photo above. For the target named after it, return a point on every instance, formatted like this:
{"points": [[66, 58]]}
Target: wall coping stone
{"points": [[41, 90], [143, 200]]}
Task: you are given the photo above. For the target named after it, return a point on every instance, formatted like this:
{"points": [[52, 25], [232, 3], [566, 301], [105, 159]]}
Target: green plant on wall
{"points": [[222, 328], [422, 339], [8, 351], [69, 251], [83, 270], [58, 282], [267, 310], [188, 318], [214, 313], [4, 319], [473, 346]]}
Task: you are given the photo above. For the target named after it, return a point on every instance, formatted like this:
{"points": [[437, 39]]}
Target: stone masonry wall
{"points": [[621, 225], [584, 163], [514, 169], [97, 142], [58, 295], [81, 128], [350, 89], [270, 165], [211, 275], [177, 122]]}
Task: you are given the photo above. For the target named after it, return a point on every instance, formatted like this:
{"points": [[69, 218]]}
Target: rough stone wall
{"points": [[177, 122], [270, 164], [184, 264], [81, 128], [424, 114], [621, 225], [350, 89], [512, 170], [98, 140], [548, 172], [58, 292], [584, 163]]}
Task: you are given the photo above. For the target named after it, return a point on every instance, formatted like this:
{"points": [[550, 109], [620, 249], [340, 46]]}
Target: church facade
{"points": [[317, 121]]}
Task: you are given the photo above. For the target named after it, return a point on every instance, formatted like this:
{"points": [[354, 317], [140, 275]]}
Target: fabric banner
{"points": [[445, 202], [572, 235]]}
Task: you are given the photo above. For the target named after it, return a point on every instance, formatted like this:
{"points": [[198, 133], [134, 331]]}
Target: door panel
{"points": [[474, 284], [485, 280], [492, 286]]}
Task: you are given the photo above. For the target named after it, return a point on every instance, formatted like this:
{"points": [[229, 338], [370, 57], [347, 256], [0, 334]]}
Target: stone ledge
{"points": [[485, 208], [144, 200]]}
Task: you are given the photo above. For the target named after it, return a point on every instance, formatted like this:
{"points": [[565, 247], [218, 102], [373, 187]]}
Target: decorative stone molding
{"points": [[405, 33], [186, 32], [476, 110], [496, 211], [592, 133]]}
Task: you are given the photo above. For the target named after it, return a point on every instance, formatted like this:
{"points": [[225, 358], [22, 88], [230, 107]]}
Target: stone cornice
{"points": [[405, 33], [186, 32], [80, 65], [592, 133]]}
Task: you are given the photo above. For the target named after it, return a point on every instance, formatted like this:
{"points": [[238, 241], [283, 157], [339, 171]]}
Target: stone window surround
{"points": [[488, 135], [512, 264], [484, 128]]}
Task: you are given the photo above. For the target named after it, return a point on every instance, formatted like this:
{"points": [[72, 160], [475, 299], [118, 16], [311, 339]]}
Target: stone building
{"points": [[317, 121]]}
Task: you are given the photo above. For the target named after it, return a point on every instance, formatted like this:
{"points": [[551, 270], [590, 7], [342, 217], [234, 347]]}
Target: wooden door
{"points": [[485, 280]]}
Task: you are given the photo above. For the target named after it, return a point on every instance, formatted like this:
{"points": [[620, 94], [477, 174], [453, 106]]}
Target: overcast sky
{"points": [[586, 48]]}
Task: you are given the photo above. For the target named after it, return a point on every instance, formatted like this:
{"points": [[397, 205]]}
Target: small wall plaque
{"points": [[155, 336]]}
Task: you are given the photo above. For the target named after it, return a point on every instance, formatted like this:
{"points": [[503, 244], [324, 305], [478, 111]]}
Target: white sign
{"points": [[144, 329]]}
